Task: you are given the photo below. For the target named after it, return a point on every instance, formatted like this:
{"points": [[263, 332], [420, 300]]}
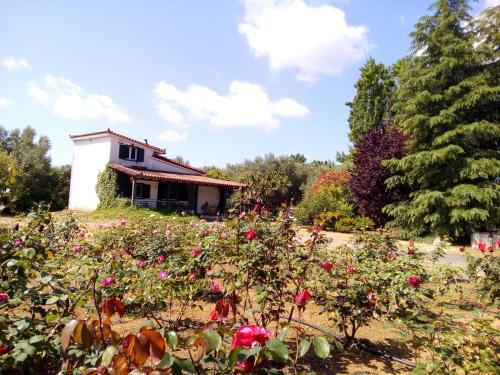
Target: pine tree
{"points": [[447, 103], [373, 100]]}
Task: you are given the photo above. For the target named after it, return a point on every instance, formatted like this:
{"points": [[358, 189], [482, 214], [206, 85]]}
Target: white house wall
{"points": [[208, 194], [90, 157]]}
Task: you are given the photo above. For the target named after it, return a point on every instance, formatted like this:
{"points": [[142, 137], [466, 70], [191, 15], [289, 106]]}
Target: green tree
{"points": [[373, 101], [447, 103]]}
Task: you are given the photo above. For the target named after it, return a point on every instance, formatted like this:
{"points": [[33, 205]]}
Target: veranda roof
{"points": [[147, 174]]}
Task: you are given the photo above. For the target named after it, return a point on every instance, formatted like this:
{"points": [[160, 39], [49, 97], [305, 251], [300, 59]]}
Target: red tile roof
{"points": [[163, 158], [146, 174], [109, 131]]}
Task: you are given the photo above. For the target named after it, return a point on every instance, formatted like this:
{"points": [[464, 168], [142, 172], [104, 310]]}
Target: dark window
{"points": [[127, 152], [142, 191]]}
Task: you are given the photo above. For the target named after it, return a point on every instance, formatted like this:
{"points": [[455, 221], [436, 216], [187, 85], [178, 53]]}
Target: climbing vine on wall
{"points": [[107, 189]]}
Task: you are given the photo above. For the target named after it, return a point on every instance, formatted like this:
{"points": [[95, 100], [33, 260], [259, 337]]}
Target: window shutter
{"points": [[140, 154], [123, 152], [145, 191]]}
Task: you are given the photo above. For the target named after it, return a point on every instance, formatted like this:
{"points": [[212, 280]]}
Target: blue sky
{"points": [[213, 81]]}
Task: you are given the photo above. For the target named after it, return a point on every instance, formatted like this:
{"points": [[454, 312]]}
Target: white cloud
{"points": [[314, 39], [4, 102], [402, 20], [12, 63], [491, 3], [246, 104], [172, 136], [68, 100]]}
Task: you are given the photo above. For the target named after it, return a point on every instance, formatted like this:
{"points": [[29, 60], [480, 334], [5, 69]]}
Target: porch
{"points": [[192, 194]]}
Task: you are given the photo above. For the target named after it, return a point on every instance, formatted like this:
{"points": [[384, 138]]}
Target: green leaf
{"points": [[321, 347], [107, 355], [51, 318], [36, 338], [278, 348], [166, 362], [214, 340], [52, 300], [304, 347], [233, 356], [284, 331], [172, 339]]}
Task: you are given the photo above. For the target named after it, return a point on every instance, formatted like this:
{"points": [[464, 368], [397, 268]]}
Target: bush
{"points": [[331, 199]]}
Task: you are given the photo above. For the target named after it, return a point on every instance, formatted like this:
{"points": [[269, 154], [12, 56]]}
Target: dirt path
{"points": [[452, 257]]}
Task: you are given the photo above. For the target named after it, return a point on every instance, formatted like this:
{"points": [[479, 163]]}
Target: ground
{"points": [[383, 337]]}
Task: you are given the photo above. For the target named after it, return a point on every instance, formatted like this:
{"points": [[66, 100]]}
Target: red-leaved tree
{"points": [[369, 175]]}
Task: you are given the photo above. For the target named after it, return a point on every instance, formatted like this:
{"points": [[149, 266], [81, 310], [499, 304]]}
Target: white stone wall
{"points": [[90, 157], [208, 194]]}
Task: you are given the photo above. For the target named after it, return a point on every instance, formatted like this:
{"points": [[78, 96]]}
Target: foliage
{"points": [[371, 106], [107, 190], [37, 181], [329, 178], [447, 103], [332, 199], [369, 175], [217, 173], [275, 180]]}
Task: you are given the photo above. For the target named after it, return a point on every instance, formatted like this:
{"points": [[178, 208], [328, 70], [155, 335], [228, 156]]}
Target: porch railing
{"points": [[168, 205]]}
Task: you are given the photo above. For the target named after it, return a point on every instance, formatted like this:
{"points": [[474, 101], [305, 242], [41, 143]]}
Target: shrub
{"points": [[328, 199], [107, 190]]}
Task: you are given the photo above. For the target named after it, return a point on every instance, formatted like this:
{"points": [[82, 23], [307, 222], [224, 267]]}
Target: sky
{"points": [[216, 82]]}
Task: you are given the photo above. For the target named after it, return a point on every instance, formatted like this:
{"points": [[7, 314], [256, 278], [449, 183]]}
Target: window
{"points": [[132, 153], [142, 191]]}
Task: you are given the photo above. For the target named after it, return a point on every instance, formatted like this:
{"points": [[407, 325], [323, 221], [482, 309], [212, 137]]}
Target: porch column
{"points": [[132, 198]]}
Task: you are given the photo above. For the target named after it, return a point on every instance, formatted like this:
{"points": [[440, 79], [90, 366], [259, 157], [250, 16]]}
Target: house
{"points": [[145, 176]]}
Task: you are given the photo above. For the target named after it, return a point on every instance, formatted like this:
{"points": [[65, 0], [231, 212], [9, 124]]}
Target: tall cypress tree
{"points": [[373, 100], [447, 103]]}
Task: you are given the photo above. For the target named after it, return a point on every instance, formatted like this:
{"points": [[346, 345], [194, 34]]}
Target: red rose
{"points": [[327, 266], [213, 315], [350, 268], [257, 208], [3, 349], [414, 281], [372, 297], [302, 298], [490, 249], [411, 251], [251, 234], [249, 336], [481, 246], [462, 249]]}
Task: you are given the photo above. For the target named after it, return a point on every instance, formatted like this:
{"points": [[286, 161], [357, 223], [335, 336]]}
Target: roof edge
{"points": [[111, 132]]}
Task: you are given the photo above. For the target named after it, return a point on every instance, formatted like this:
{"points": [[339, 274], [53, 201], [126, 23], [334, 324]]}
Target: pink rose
{"points": [[350, 268], [207, 232], [192, 276], [481, 246], [302, 298], [208, 271], [414, 281], [411, 243], [391, 255], [250, 335], [18, 242], [327, 266], [107, 281], [141, 263], [161, 259], [4, 297], [215, 287], [200, 245], [77, 249], [242, 215], [81, 233], [162, 275], [251, 235], [195, 252]]}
